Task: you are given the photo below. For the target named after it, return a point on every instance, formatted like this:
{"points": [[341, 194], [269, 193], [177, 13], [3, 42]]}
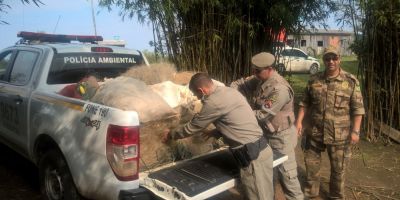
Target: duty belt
{"points": [[249, 152]]}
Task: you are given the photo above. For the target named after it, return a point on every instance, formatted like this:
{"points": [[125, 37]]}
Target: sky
{"points": [[73, 17]]}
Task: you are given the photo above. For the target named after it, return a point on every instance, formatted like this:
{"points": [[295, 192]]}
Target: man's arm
{"points": [[303, 109], [356, 124], [300, 117], [273, 103], [357, 111], [208, 114], [246, 86]]}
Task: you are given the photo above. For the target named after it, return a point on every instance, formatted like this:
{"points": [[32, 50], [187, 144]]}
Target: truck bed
{"points": [[198, 178]]}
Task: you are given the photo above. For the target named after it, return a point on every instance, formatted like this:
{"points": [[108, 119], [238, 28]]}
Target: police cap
{"points": [[263, 59]]}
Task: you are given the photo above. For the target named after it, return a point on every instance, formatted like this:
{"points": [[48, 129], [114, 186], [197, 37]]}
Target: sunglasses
{"points": [[258, 70], [329, 58]]}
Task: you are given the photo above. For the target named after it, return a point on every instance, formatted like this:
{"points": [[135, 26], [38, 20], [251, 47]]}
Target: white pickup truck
{"points": [[83, 149]]}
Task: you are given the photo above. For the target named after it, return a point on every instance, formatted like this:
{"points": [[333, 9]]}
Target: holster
{"points": [[304, 142], [249, 152]]}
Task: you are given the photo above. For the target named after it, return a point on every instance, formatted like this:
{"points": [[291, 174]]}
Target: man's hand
{"points": [[299, 128], [355, 138], [209, 134], [299, 121], [166, 136], [268, 103]]}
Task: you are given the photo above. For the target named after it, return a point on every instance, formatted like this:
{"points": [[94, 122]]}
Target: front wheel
{"points": [[313, 68], [55, 179]]}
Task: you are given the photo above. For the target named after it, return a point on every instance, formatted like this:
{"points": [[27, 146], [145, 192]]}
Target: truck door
{"points": [[14, 97]]}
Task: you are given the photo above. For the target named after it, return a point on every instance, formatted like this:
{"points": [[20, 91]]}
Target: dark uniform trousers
{"points": [[259, 188]]}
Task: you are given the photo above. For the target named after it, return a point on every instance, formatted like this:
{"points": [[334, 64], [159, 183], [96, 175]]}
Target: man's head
{"points": [[201, 85], [331, 58], [263, 65], [88, 85]]}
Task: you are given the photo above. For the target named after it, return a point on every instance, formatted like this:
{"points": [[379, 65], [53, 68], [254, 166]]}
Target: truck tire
{"points": [[314, 69], [55, 178]]}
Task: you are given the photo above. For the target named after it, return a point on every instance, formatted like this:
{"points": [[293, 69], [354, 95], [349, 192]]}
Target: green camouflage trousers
{"points": [[339, 156]]}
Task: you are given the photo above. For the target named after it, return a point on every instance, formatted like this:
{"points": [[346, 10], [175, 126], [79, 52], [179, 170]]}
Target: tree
{"points": [[379, 58], [220, 36], [4, 7], [350, 13]]}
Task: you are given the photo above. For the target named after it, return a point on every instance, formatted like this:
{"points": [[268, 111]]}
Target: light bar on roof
{"points": [[45, 37]]}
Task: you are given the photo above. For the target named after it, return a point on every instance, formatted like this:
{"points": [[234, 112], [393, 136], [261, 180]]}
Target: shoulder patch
{"points": [[352, 78], [316, 85], [357, 88]]}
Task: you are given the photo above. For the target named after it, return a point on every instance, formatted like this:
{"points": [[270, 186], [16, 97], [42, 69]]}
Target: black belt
{"points": [[249, 152]]}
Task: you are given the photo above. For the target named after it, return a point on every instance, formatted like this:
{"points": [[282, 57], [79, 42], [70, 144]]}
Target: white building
{"points": [[315, 40]]}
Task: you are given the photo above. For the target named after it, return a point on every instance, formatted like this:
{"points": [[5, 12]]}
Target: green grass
{"points": [[299, 81]]}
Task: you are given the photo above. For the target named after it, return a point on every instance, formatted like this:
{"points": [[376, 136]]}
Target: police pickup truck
{"points": [[83, 149]]}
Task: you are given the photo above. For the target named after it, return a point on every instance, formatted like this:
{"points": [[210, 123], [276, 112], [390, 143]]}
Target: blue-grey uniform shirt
{"points": [[229, 111]]}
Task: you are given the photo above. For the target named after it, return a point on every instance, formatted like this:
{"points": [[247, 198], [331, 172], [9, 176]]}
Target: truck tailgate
{"points": [[197, 178]]}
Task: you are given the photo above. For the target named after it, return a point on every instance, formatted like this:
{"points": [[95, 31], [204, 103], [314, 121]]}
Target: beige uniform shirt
{"points": [[270, 93], [330, 104], [229, 111]]}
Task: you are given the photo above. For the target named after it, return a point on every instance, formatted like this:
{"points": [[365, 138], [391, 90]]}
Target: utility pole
{"points": [[94, 19]]}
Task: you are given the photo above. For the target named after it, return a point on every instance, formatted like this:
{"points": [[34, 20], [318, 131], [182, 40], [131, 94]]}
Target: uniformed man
{"points": [[85, 89], [271, 98], [233, 118], [333, 107]]}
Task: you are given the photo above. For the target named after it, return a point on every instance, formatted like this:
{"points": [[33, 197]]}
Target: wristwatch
{"points": [[355, 132]]}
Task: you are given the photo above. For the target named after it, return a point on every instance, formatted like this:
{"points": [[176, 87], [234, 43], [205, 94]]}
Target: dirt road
{"points": [[19, 177], [373, 173]]}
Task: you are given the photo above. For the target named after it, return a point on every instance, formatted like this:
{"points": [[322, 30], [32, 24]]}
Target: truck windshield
{"points": [[72, 67]]}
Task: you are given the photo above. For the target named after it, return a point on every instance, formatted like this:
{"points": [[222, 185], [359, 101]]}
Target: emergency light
{"points": [[45, 37]]}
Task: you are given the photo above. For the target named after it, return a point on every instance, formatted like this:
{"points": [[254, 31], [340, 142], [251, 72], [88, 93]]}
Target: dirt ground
{"points": [[373, 173]]}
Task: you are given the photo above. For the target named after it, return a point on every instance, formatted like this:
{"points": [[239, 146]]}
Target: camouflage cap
{"points": [[263, 59], [331, 50]]}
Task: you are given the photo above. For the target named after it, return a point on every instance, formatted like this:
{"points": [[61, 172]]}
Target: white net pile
{"points": [[163, 101]]}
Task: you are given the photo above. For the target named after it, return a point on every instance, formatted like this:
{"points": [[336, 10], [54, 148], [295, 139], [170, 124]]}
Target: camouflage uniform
{"points": [[277, 121], [330, 104]]}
